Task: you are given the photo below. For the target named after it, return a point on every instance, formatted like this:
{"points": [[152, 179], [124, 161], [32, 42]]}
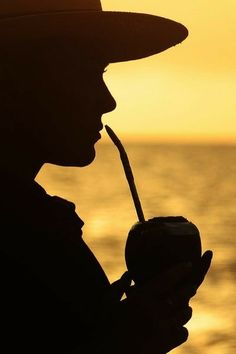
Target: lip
{"points": [[97, 136], [94, 133]]}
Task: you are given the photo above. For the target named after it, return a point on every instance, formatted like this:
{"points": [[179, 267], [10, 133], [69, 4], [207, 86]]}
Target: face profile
{"points": [[73, 104], [54, 54], [62, 97]]}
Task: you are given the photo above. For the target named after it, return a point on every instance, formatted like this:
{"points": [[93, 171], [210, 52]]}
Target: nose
{"points": [[108, 102]]}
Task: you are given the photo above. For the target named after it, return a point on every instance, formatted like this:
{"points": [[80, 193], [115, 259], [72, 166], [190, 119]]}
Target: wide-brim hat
{"points": [[117, 36]]}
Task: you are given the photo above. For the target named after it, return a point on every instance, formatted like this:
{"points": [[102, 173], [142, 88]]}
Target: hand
{"points": [[152, 318], [148, 321], [189, 286], [123, 285], [203, 267]]}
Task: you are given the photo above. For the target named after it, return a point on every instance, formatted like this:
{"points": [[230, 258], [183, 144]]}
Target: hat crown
{"points": [[27, 7]]}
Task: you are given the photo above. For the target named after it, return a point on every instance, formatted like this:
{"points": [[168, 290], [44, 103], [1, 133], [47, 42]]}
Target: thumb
{"points": [[204, 266], [120, 286]]}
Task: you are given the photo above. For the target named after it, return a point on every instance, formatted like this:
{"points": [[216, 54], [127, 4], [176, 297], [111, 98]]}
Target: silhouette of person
{"points": [[55, 296]]}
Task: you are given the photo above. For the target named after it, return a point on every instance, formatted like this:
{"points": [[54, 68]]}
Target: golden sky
{"points": [[187, 92]]}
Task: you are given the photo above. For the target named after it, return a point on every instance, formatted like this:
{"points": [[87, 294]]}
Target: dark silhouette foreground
{"points": [[55, 297]]}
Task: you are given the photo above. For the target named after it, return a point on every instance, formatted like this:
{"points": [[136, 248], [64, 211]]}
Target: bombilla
{"points": [[128, 172]]}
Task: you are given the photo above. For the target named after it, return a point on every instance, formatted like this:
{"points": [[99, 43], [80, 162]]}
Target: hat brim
{"points": [[116, 36]]}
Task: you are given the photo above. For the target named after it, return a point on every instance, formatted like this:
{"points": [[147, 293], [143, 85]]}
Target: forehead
{"points": [[79, 64], [54, 55]]}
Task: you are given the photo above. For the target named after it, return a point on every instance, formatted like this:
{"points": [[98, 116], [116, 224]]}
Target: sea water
{"points": [[196, 181]]}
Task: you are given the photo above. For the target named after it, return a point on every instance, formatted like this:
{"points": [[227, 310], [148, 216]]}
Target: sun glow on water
{"points": [[196, 181]]}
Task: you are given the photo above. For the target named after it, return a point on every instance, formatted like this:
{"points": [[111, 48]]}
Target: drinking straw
{"points": [[128, 172]]}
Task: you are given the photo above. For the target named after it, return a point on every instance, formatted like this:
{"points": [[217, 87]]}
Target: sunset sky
{"points": [[187, 93]]}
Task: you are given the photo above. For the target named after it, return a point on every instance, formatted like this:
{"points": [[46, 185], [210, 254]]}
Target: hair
{"points": [[21, 69], [16, 69]]}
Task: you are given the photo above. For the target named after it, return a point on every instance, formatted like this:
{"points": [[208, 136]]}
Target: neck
{"points": [[19, 164]]}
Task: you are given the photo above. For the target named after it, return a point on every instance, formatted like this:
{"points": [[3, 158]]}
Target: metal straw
{"points": [[128, 172]]}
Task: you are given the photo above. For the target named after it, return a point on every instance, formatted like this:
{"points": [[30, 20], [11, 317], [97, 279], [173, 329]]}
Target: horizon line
{"points": [[171, 139]]}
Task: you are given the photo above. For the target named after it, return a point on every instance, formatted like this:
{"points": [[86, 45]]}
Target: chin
{"points": [[85, 160], [82, 159]]}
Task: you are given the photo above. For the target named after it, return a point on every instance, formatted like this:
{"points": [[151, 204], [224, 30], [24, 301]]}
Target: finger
{"points": [[206, 261], [179, 312], [119, 287], [179, 336], [163, 341], [168, 280], [182, 296], [183, 316], [186, 290], [172, 338], [205, 264]]}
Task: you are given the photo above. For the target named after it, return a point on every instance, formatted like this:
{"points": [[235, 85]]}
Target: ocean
{"points": [[196, 181]]}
